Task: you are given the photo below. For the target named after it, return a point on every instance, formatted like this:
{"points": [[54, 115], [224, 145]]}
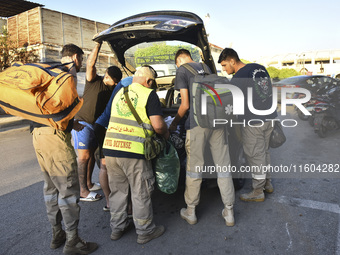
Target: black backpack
{"points": [[219, 101]]}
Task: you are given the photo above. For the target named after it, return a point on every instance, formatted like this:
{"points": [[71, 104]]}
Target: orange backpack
{"points": [[41, 93]]}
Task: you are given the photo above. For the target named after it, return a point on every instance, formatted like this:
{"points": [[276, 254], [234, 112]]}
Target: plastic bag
{"points": [[167, 169], [277, 137]]}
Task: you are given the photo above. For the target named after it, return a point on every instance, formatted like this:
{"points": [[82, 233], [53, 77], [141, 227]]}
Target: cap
{"points": [[145, 72]]}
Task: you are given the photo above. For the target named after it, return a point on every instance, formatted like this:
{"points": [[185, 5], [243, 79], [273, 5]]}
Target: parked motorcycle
{"points": [[326, 113], [318, 96], [309, 107]]}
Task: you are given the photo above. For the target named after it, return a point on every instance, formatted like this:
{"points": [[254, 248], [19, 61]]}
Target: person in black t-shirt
{"points": [[256, 136], [197, 138], [97, 93]]}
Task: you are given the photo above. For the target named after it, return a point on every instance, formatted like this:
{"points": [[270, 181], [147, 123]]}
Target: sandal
{"points": [[96, 186], [91, 197]]}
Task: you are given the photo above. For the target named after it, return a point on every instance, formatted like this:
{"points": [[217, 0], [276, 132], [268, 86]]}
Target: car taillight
{"points": [[291, 86]]}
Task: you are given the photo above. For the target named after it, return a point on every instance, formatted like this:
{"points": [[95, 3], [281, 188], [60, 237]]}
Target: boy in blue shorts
{"points": [[97, 93]]}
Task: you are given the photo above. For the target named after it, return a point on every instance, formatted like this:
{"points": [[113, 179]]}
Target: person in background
{"points": [[57, 160], [100, 129], [97, 93], [126, 165], [197, 138], [255, 137]]}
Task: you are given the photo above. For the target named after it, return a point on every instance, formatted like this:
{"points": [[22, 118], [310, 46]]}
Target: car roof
{"points": [[300, 78], [157, 26]]}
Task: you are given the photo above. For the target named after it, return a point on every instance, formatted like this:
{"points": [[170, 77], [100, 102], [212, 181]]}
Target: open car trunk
{"points": [[157, 26]]}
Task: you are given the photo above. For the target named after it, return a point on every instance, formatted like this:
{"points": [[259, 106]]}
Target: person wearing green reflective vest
{"points": [[124, 154]]}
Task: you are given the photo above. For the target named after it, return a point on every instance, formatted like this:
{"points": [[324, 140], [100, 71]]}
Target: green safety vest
{"points": [[124, 133]]}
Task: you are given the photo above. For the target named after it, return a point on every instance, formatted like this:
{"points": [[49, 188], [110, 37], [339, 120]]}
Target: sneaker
{"points": [[189, 215], [256, 195], [157, 232], [117, 235], [268, 188], [79, 246], [58, 238], [228, 215]]}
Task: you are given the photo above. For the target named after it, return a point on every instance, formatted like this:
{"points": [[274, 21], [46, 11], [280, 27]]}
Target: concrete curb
{"points": [[11, 124]]}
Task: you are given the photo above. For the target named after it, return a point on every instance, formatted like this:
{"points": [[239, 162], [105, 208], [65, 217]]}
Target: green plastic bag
{"points": [[167, 169]]}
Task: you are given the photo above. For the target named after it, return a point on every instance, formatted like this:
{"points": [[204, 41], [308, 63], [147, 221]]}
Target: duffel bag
{"points": [[40, 92]]}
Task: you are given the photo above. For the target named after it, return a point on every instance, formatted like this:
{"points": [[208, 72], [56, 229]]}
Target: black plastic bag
{"points": [[277, 137], [167, 169]]}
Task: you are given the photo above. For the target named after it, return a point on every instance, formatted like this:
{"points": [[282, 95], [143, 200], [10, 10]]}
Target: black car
{"points": [[311, 82], [175, 26]]}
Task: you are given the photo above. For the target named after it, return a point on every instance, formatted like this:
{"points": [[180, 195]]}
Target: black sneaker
{"points": [[157, 232], [79, 246]]}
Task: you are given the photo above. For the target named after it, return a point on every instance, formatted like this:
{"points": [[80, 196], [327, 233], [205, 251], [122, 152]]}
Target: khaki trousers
{"points": [[58, 164], [136, 174], [196, 141], [256, 148]]}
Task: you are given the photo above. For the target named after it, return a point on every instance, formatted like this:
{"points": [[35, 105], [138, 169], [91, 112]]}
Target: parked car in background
{"points": [[183, 28], [311, 82]]}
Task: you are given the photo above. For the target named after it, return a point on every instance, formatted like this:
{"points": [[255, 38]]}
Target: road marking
{"points": [[290, 239], [328, 207]]}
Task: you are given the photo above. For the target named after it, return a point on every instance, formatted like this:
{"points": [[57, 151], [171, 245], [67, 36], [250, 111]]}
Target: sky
{"points": [[254, 28]]}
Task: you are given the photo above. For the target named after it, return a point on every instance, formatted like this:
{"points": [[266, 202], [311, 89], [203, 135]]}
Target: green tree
{"points": [[287, 72], [162, 54], [273, 72], [11, 53], [245, 61]]}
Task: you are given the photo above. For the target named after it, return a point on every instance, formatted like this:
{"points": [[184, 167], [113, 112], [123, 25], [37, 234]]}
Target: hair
{"points": [[182, 52], [152, 70], [70, 49], [227, 54], [115, 73]]}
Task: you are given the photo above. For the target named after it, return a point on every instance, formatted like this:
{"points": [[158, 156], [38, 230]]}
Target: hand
{"points": [[173, 127], [77, 126], [99, 43]]}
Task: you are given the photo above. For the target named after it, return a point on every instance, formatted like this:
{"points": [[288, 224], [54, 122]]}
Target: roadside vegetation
{"points": [[10, 52], [280, 74], [161, 53]]}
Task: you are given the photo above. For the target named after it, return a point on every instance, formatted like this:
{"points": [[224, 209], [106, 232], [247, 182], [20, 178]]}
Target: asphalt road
{"points": [[300, 217]]}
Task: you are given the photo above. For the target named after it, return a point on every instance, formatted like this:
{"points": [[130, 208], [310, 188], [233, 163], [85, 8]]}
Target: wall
{"points": [[47, 31]]}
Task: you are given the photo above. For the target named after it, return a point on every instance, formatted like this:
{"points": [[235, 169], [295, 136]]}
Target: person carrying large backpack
{"points": [[197, 138], [58, 162]]}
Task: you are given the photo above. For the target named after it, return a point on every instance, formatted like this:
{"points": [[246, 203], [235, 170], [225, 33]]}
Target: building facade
{"points": [[325, 62], [46, 31]]}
